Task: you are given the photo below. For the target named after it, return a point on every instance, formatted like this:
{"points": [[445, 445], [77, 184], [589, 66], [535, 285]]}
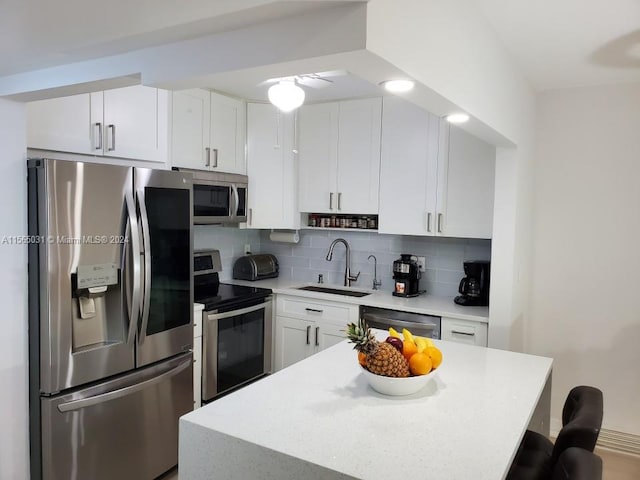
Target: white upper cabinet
{"points": [[209, 131], [130, 122], [340, 156], [433, 182], [408, 169], [466, 185], [271, 168]]}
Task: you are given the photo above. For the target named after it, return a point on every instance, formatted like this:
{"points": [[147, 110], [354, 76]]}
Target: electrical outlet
{"points": [[247, 249], [422, 263]]}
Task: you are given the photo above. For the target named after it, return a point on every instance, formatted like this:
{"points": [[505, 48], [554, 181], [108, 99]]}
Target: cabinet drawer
{"points": [[464, 331], [316, 310]]}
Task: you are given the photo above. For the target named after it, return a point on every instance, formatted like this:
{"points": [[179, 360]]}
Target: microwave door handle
{"points": [[134, 236], [235, 313], [237, 200], [146, 244]]}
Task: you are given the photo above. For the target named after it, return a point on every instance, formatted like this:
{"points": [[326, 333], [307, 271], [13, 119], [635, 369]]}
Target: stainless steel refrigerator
{"points": [[110, 319]]}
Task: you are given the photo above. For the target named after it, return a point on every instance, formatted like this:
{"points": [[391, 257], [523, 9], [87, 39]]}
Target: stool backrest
{"points": [[581, 419]]}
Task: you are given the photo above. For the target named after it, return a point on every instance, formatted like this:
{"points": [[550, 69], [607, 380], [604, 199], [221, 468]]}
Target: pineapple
{"points": [[381, 358]]}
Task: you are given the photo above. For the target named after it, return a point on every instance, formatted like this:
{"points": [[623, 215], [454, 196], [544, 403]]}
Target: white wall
{"points": [[584, 303], [14, 453], [449, 47]]}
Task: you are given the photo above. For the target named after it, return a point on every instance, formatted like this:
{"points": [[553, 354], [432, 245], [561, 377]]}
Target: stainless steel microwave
{"points": [[218, 197]]}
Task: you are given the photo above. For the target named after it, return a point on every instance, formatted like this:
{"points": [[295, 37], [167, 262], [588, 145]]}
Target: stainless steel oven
{"points": [[237, 329], [218, 197], [237, 346]]}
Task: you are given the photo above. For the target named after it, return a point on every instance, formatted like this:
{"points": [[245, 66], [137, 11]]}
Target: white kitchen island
{"points": [[319, 419]]}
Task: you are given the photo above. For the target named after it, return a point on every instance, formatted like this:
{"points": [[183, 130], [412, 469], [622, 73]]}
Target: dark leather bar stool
{"points": [[581, 420], [577, 464]]}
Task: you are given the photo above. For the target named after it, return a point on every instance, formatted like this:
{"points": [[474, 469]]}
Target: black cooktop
{"points": [[224, 296]]}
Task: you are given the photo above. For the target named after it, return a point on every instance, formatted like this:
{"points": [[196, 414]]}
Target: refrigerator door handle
{"points": [[123, 392], [146, 244], [132, 228]]}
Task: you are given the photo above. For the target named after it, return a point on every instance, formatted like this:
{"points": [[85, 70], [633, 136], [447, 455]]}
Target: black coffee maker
{"points": [[406, 276], [474, 288]]}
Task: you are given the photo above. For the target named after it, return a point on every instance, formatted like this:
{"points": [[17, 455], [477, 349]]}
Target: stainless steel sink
{"points": [[335, 291]]}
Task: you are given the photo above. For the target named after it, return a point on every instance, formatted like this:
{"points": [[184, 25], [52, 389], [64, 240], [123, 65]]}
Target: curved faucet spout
{"points": [[347, 271]]}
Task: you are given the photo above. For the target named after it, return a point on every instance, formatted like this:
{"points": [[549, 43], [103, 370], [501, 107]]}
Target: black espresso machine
{"points": [[474, 288], [406, 276]]}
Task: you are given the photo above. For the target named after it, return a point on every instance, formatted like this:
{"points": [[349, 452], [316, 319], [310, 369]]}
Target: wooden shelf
{"points": [[372, 230]]}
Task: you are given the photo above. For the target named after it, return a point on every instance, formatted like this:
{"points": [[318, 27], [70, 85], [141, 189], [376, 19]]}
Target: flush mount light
{"points": [[398, 86], [457, 118], [286, 95]]}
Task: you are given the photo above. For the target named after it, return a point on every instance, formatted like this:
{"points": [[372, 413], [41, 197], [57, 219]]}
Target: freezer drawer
{"points": [[125, 428]]}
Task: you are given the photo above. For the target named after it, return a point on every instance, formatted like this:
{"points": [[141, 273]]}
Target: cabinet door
{"points": [[67, 124], [136, 123], [228, 134], [359, 156], [191, 118], [464, 331], [318, 147], [271, 168], [294, 341], [408, 169], [327, 335], [466, 172]]}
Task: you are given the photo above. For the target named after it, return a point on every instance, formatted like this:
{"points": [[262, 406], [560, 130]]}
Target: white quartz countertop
{"points": [[426, 304], [320, 419]]}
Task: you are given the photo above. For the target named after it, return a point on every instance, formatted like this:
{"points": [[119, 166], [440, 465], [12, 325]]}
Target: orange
{"points": [[362, 359], [409, 349], [420, 364], [435, 355]]}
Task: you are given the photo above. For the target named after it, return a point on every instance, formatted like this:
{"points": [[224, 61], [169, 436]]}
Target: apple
{"points": [[396, 342]]}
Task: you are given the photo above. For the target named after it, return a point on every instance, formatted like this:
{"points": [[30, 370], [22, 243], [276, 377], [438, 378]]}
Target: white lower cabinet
{"points": [[305, 327], [464, 331], [197, 356]]}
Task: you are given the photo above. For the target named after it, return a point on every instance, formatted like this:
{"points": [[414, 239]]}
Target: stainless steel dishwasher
{"points": [[417, 323]]}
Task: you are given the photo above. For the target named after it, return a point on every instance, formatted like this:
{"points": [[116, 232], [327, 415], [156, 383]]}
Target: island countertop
{"points": [[320, 419]]}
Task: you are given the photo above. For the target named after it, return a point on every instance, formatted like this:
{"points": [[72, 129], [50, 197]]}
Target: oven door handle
{"points": [[235, 313], [391, 322]]}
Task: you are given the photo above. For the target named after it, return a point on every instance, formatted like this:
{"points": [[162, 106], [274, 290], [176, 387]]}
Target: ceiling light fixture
{"points": [[286, 95], [397, 86], [457, 118]]}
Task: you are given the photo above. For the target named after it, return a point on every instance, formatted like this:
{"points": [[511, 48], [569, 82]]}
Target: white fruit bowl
{"points": [[397, 386]]}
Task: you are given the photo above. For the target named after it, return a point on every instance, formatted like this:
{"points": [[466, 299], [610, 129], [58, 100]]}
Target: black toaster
{"points": [[255, 267]]}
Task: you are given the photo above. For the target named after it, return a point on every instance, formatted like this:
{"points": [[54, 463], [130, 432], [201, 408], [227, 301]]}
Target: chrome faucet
{"points": [[376, 283], [347, 270]]}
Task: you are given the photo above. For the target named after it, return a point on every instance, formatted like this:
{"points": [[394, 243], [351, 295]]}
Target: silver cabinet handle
{"points": [[317, 334], [313, 310], [98, 136], [330, 200], [112, 147], [456, 332], [207, 161], [250, 215], [215, 157], [429, 222], [339, 197], [308, 330], [439, 223]]}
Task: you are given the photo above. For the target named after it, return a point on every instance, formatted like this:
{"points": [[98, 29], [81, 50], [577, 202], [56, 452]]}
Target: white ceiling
{"points": [[557, 43]]}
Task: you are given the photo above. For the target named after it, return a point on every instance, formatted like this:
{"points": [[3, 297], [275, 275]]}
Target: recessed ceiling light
{"points": [[457, 118], [398, 86]]}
